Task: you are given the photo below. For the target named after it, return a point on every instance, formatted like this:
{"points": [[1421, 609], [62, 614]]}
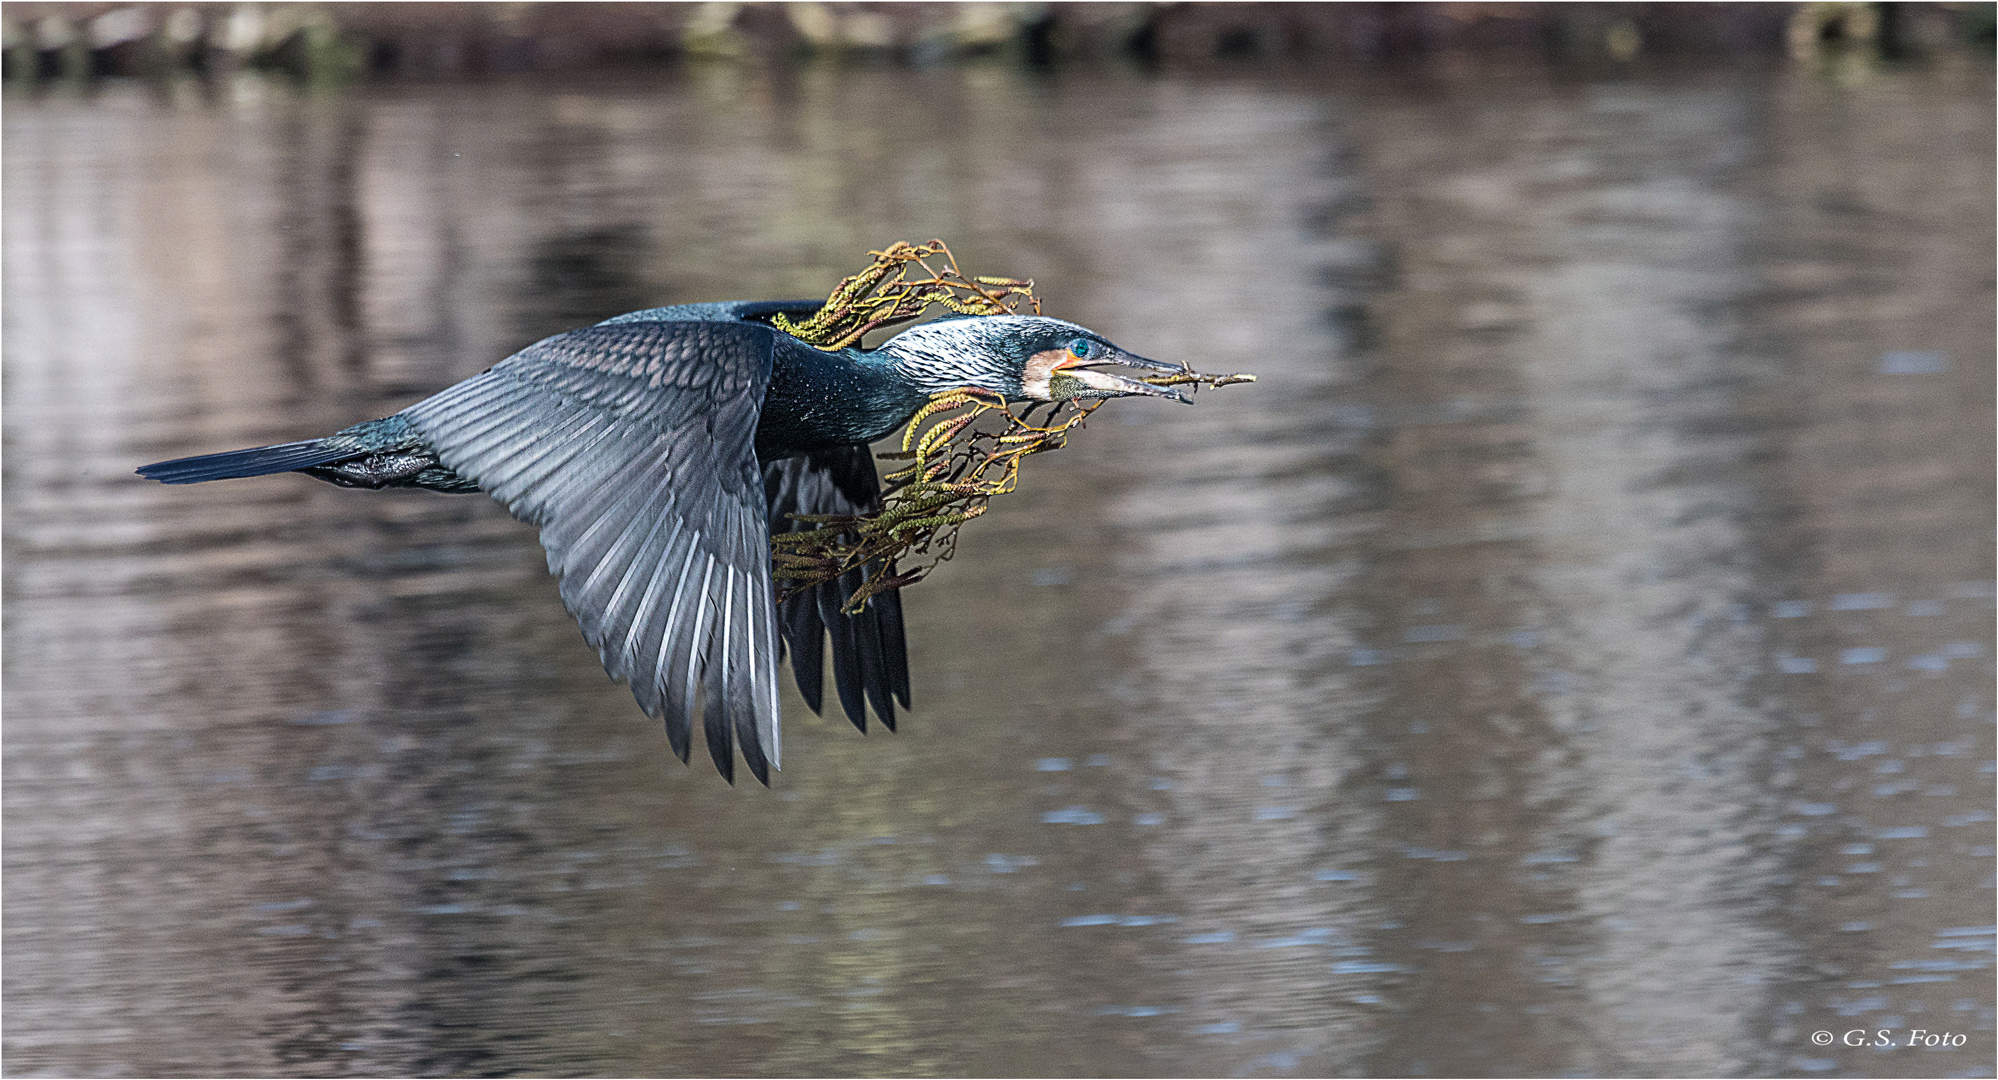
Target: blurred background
{"points": [[1573, 657]]}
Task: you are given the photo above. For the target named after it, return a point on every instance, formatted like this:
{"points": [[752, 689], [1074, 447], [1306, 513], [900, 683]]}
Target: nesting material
{"points": [[962, 448], [900, 286]]}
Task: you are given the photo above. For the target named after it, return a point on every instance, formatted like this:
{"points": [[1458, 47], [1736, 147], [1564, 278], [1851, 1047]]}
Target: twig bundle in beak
{"points": [[956, 463]]}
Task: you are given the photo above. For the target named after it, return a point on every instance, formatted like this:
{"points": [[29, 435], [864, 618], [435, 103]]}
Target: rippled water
{"points": [[1573, 656]]}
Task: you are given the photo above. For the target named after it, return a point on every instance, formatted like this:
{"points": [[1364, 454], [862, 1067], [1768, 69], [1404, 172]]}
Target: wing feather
{"points": [[575, 439], [870, 661], [648, 616], [610, 516], [484, 419], [631, 446], [674, 668], [614, 565]]}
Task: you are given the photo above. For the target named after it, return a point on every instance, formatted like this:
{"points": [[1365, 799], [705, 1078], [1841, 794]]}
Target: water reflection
{"points": [[1574, 655]]}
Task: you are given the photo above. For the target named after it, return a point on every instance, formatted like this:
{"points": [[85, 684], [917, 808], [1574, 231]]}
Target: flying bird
{"points": [[658, 450]]}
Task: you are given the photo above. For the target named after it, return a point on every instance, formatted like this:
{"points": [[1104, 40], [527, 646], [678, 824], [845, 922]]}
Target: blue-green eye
{"points": [[1080, 347]]}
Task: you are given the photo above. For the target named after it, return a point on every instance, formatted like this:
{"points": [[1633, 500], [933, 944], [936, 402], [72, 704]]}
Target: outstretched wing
{"points": [[632, 447], [870, 656]]}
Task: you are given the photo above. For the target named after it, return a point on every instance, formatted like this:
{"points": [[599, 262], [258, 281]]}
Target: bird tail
{"points": [[256, 461]]}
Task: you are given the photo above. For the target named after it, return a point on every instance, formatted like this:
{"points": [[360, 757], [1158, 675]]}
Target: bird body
{"points": [[658, 450]]}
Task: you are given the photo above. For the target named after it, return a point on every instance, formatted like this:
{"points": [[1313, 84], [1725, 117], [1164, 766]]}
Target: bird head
{"points": [[1022, 358]]}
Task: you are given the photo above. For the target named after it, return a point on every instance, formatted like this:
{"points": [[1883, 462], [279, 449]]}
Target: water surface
{"points": [[1573, 656]]}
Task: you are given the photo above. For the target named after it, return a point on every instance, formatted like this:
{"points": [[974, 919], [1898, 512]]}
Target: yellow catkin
{"points": [[900, 285]]}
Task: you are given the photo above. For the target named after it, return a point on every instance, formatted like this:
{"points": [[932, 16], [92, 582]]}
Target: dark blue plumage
{"points": [[656, 451]]}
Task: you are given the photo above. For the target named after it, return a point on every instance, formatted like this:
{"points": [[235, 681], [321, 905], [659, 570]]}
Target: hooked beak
{"points": [[1085, 381]]}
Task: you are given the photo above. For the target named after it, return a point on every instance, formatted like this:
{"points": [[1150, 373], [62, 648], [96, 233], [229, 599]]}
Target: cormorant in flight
{"points": [[657, 450]]}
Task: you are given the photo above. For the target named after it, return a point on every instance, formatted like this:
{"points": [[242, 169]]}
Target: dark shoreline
{"points": [[349, 41]]}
